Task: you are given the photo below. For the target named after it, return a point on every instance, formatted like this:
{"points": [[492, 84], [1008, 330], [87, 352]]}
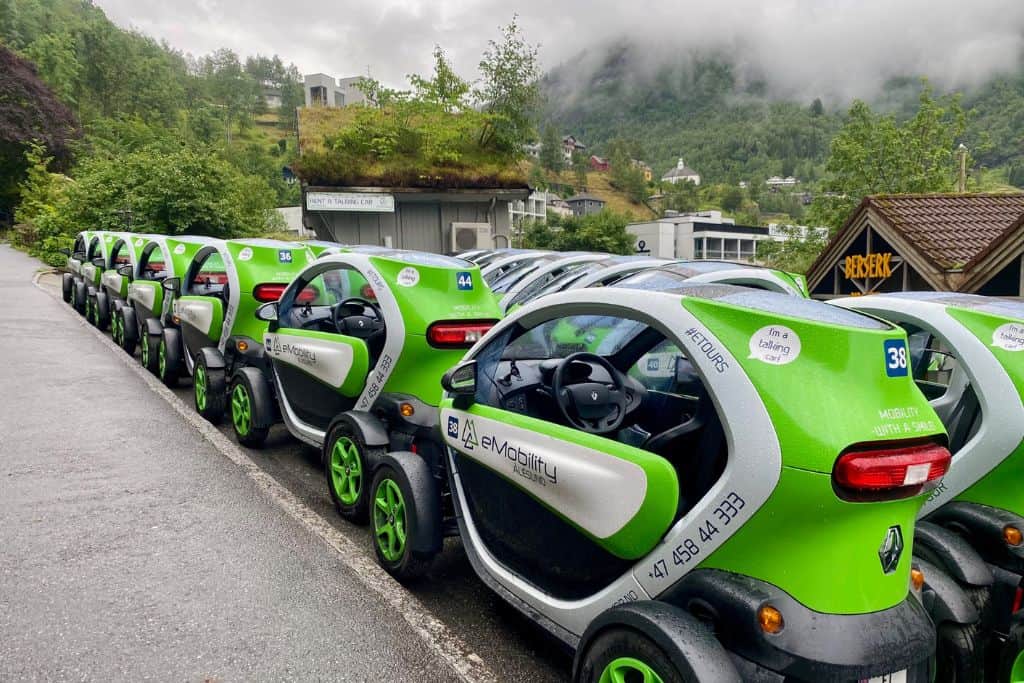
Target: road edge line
{"points": [[468, 665]]}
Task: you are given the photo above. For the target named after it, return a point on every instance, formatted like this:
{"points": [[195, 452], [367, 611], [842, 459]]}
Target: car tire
{"points": [[149, 355], [243, 412], [959, 653], [1010, 663], [169, 357], [348, 465], [129, 329], [626, 654], [80, 297], [391, 525], [102, 312], [91, 310], [67, 288], [209, 391]]}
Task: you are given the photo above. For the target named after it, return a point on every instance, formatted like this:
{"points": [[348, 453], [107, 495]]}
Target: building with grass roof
{"points": [[408, 177]]}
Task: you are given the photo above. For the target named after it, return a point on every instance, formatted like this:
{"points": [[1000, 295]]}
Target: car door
{"points": [[321, 372], [145, 291], [568, 508], [200, 309]]}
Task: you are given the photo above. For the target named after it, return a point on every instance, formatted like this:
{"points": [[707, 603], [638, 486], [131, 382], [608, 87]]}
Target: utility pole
{"points": [[961, 184]]}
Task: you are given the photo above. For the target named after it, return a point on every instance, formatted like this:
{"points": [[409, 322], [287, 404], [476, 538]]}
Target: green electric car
{"points": [[87, 259], [139, 321], [115, 275], [357, 346], [214, 333], [704, 529], [966, 354]]}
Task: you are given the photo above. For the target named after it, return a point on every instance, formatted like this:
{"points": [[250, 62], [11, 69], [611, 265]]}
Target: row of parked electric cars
{"points": [[684, 470]]}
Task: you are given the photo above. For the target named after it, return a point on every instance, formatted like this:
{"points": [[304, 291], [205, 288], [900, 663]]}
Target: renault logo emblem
{"points": [[593, 395], [891, 550]]}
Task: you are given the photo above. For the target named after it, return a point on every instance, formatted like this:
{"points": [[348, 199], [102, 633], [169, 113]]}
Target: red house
{"points": [[598, 163]]}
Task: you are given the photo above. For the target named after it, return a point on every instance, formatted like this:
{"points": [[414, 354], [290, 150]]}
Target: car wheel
{"points": [[117, 329], [169, 357], [209, 391], [622, 654], [391, 523], [101, 310], [1011, 657], [91, 311], [149, 353], [348, 464], [80, 297], [243, 412], [959, 654], [129, 330], [67, 288]]}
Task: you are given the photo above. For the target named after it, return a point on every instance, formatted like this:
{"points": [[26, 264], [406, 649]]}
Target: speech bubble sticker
{"points": [[1009, 337], [245, 254], [775, 345], [408, 277], [180, 249]]}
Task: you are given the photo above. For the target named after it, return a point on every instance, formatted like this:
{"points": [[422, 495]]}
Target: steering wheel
{"points": [[593, 407], [349, 318]]}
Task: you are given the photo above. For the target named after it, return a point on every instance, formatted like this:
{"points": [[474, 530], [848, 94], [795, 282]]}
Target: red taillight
{"points": [[367, 292], [457, 334], [1018, 598], [308, 295], [270, 291], [889, 472]]}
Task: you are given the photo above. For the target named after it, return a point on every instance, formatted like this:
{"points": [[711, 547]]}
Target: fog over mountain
{"points": [[836, 49]]}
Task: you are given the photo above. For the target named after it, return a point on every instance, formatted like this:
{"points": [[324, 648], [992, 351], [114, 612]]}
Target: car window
{"points": [[152, 264]]}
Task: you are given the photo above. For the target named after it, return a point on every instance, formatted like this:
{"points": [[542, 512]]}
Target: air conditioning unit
{"points": [[471, 236]]}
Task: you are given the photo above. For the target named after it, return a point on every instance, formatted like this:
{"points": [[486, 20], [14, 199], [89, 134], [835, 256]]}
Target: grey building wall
{"points": [[420, 221]]}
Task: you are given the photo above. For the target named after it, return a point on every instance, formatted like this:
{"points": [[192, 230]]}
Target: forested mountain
{"points": [[730, 127]]}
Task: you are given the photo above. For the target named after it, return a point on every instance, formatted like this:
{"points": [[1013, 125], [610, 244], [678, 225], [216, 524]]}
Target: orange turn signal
{"points": [[770, 619], [242, 346], [1012, 535], [176, 319], [916, 578], [406, 410]]}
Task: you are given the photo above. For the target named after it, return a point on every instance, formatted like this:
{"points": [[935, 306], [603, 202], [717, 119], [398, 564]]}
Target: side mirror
{"points": [[461, 380], [99, 262], [65, 251], [125, 271], [171, 285], [79, 255], [267, 312]]}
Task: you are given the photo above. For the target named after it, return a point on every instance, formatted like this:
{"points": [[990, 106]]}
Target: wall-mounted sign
{"points": [[350, 201], [871, 265]]}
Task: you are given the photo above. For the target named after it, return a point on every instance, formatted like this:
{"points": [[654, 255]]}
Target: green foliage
{"points": [[537, 179], [551, 156], [445, 89], [876, 154], [732, 200], [604, 231], [509, 89], [579, 170], [795, 254], [625, 174], [682, 196]]}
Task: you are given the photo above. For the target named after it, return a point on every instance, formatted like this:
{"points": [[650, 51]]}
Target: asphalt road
{"points": [[133, 548]]}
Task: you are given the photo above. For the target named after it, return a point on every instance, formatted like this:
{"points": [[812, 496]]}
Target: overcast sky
{"points": [[845, 47]]}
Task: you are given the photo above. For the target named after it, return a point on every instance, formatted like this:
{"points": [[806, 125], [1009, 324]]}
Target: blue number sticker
{"points": [[896, 358], [453, 426], [464, 280], [284, 256]]}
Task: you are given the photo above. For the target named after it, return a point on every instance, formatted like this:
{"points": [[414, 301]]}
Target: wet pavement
{"points": [[132, 548]]}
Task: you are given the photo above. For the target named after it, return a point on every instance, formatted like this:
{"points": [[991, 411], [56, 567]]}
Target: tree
{"points": [[876, 154], [445, 89], [510, 88], [682, 196], [54, 57], [796, 253], [29, 113], [551, 155], [603, 231], [580, 165], [817, 108], [732, 200]]}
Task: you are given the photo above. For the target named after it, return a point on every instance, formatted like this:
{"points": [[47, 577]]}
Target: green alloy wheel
{"points": [[392, 526], [117, 330], [348, 464], [629, 670], [208, 391], [161, 363], [1017, 672], [149, 354], [242, 416]]}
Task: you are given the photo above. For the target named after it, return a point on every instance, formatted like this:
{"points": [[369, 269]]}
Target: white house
{"points": [[778, 182], [680, 173], [323, 91]]}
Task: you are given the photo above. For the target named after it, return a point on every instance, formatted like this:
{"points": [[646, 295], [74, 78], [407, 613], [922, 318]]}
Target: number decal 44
{"points": [[896, 358], [464, 280]]}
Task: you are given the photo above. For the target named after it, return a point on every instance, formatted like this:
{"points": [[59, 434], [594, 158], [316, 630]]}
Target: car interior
{"points": [[152, 264], [623, 380]]}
